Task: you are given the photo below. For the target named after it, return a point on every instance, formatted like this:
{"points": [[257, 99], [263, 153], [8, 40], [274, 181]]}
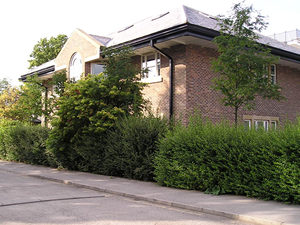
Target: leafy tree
{"points": [[242, 60], [90, 107], [4, 84], [8, 104], [32, 100], [46, 50], [58, 82], [26, 103]]}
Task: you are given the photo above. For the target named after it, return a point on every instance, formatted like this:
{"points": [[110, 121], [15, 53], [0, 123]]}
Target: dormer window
{"points": [[150, 64], [75, 67]]}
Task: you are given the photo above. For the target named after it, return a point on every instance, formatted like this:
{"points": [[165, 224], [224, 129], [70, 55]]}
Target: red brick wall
{"points": [[193, 93], [87, 69], [202, 98], [158, 93]]}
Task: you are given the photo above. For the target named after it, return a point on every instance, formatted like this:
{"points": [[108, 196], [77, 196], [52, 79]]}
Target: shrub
{"points": [[221, 159], [25, 143], [90, 107], [131, 147]]}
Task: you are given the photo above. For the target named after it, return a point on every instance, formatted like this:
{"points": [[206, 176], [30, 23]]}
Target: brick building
{"points": [[177, 49]]}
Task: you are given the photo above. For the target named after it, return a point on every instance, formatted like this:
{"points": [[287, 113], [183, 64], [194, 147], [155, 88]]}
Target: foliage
{"points": [[46, 50], [24, 103], [90, 107], [242, 60], [131, 146], [4, 85], [8, 106], [29, 102], [24, 143], [58, 82], [221, 159]]}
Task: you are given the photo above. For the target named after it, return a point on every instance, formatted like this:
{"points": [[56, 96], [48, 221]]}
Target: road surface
{"points": [[28, 200]]}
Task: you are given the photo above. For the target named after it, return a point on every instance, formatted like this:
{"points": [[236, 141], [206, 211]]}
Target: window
{"points": [[97, 68], [273, 125], [261, 124], [75, 67], [271, 73], [247, 124], [151, 67]]}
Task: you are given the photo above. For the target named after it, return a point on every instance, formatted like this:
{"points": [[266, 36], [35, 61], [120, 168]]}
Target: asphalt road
{"points": [[27, 200]]}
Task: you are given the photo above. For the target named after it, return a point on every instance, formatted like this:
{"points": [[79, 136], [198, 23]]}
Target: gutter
{"points": [[198, 32], [40, 72], [171, 65]]}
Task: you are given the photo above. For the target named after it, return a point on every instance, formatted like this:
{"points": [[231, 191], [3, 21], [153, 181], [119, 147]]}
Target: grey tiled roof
{"points": [[277, 44], [103, 40], [175, 17], [198, 18], [148, 26]]}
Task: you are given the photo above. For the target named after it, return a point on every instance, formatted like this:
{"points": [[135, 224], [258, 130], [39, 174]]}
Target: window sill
{"points": [[152, 80]]}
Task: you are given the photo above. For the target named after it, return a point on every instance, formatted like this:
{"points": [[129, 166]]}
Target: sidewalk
{"points": [[234, 207]]}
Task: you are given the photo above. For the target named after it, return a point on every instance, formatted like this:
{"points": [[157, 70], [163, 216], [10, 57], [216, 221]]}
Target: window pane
{"points": [[273, 125], [272, 70], [273, 74], [144, 67], [273, 79], [151, 63], [260, 124], [158, 64], [75, 67], [247, 124], [97, 68]]}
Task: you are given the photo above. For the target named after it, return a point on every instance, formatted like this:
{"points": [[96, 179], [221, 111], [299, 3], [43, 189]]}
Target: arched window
{"points": [[75, 67]]}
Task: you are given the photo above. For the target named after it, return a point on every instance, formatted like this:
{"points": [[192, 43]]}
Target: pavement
{"points": [[233, 207]]}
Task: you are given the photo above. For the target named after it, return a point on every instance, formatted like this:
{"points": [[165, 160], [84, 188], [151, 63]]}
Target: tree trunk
{"points": [[236, 116]]}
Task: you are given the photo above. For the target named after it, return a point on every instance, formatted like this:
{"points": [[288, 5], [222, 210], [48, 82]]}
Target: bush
{"points": [[131, 147], [90, 107], [25, 143], [220, 159]]}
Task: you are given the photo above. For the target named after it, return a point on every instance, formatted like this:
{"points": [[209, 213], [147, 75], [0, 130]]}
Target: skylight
{"points": [[126, 28], [160, 16]]}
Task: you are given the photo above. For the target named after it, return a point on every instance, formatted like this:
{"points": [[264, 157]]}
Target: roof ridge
{"points": [[196, 10]]}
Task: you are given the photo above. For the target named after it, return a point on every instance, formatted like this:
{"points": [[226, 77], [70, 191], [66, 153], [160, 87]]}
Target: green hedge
{"points": [[131, 146], [24, 143], [220, 159]]}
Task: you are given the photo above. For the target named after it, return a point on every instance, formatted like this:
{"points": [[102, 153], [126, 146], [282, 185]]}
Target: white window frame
{"points": [[75, 64], [144, 65], [267, 121]]}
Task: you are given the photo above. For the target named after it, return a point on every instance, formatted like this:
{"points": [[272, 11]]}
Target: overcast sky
{"points": [[24, 22]]}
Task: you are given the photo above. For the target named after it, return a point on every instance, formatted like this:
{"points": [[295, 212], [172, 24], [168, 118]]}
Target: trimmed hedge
{"points": [[131, 146], [220, 159], [125, 150], [24, 143]]}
